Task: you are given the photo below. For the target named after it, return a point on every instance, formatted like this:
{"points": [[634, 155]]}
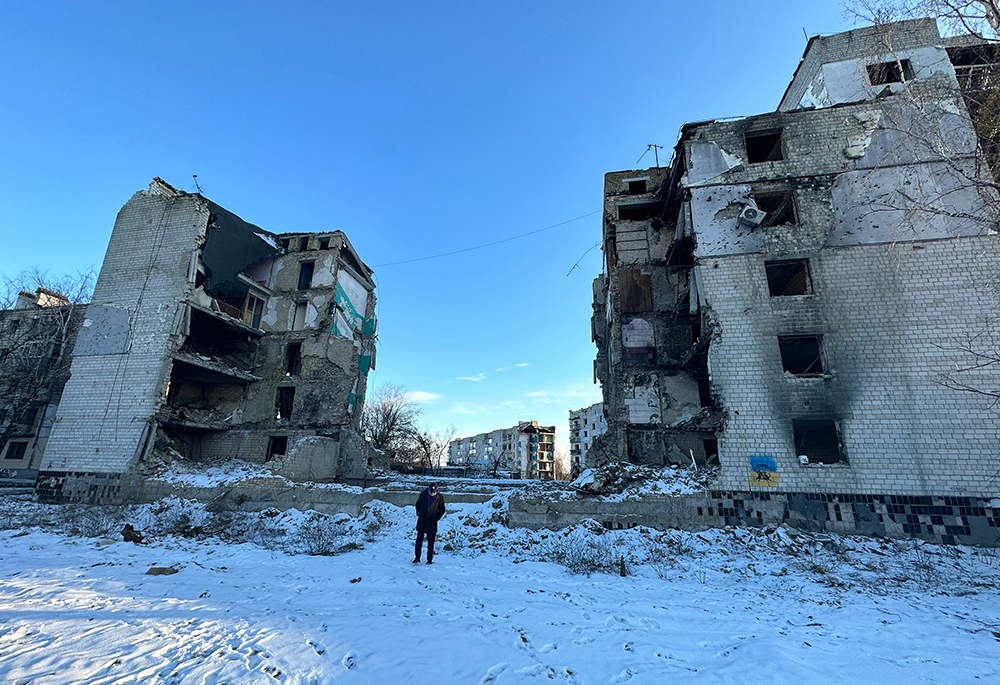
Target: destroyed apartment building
{"points": [[210, 338], [793, 295], [36, 341]]}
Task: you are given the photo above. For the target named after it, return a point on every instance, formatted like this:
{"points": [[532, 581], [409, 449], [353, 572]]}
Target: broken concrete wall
{"points": [[831, 69]]}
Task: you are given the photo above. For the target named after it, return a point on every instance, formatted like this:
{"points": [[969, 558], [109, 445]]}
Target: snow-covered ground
{"points": [[249, 604]]}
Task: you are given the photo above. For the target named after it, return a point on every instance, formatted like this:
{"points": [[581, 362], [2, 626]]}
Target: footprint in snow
{"points": [[545, 649], [626, 674], [583, 641], [431, 612], [349, 661], [537, 670], [494, 672], [318, 646]]}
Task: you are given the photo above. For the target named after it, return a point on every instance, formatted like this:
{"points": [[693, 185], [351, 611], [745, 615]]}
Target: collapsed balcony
{"points": [[203, 394]]}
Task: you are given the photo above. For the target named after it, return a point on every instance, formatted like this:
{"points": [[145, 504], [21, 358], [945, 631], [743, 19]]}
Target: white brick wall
{"points": [[104, 409], [887, 313]]}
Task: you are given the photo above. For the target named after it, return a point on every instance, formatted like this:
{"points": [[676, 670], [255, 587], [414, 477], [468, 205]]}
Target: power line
{"points": [[495, 242], [577, 265]]}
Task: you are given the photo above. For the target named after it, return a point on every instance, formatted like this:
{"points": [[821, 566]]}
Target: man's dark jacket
{"points": [[429, 512]]}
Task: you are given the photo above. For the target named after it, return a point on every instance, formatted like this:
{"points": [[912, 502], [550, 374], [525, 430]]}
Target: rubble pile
{"points": [[616, 478]]}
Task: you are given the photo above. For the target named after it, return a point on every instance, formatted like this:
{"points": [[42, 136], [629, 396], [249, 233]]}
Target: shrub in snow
{"points": [[321, 537], [95, 521], [583, 551]]}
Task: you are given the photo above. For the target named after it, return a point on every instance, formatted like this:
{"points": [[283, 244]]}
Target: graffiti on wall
{"points": [[763, 471]]}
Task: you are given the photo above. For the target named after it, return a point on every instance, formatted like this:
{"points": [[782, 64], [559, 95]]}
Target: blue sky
{"points": [[416, 128]]}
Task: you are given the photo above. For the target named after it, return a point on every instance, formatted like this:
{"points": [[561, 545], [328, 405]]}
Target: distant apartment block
{"points": [[525, 450], [584, 425]]}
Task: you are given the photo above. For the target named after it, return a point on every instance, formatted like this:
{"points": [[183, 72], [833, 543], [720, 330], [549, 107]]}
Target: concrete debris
{"points": [[620, 477]]}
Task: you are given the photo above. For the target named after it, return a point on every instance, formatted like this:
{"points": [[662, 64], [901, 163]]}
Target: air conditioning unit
{"points": [[751, 215]]}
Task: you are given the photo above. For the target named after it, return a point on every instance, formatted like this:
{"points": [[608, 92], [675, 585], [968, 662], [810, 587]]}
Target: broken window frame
{"points": [[20, 447], [893, 71], [803, 364], [822, 428], [299, 316], [284, 402], [778, 287], [765, 146], [324, 243], [253, 310], [779, 208]]}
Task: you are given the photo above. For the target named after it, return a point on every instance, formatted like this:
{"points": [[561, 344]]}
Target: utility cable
{"points": [[495, 242]]}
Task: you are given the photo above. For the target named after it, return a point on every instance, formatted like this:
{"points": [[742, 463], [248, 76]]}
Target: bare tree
{"points": [[499, 460], [76, 288], [389, 421], [35, 345], [431, 449], [962, 16], [561, 467], [959, 132]]}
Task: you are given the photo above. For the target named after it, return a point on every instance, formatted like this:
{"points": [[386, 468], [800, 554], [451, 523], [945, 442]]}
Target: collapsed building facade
{"points": [[208, 337], [795, 292]]}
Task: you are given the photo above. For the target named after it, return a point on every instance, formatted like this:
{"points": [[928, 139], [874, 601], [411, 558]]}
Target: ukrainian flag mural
{"points": [[763, 471]]}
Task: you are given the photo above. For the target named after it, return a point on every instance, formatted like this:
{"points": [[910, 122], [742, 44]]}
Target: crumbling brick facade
{"points": [[790, 291], [208, 337]]}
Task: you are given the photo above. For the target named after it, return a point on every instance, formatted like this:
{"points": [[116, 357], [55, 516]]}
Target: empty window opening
{"points": [[284, 402], [306, 275], [637, 186], [818, 439], [788, 278], [285, 242], [682, 252], [277, 446], [705, 392], [293, 359], [801, 355], [711, 449], [640, 211], [299, 320], [764, 146], [324, 243], [16, 449], [895, 71], [779, 207], [303, 244]]}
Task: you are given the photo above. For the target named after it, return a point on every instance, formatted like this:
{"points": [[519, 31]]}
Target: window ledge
{"points": [[818, 464]]}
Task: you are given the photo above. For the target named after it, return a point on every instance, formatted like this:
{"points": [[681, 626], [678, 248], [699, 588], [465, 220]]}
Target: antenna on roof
{"points": [[196, 182], [656, 153]]}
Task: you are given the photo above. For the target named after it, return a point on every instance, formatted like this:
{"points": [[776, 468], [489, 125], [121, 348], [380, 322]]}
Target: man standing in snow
{"points": [[430, 509]]}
